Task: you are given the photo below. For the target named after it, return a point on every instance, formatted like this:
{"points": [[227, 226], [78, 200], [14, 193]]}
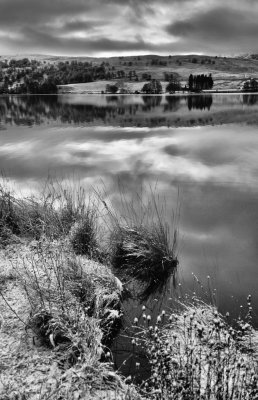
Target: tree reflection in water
{"points": [[199, 102]]}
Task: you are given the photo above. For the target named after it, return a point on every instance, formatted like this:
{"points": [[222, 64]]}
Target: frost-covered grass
{"points": [[64, 310], [195, 354]]}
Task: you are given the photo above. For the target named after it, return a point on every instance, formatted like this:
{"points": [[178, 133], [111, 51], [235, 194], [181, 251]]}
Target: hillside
{"points": [[227, 72]]}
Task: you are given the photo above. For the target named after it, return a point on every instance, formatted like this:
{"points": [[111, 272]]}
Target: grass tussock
{"points": [[83, 236], [96, 288], [75, 302], [143, 253], [9, 224], [143, 239], [195, 354]]}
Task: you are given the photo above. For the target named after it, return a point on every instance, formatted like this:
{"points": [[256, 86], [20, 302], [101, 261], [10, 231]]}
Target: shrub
{"points": [[111, 89], [152, 87], [173, 86]]}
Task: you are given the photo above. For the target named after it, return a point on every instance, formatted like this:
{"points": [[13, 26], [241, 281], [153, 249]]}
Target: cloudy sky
{"points": [[123, 27]]}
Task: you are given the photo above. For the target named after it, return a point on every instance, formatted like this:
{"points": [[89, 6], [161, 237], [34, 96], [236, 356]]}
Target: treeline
{"points": [[200, 82], [46, 86], [22, 76], [25, 76], [196, 83]]}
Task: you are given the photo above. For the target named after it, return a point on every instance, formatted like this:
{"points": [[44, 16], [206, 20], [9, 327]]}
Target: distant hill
{"points": [[182, 64], [227, 72]]}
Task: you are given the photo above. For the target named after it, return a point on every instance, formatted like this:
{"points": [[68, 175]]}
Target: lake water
{"points": [[202, 150]]}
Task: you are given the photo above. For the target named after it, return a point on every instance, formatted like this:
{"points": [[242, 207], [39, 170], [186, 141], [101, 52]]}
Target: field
{"points": [[100, 86]]}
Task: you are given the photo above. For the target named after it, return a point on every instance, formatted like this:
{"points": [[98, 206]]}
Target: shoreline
{"points": [[129, 94], [61, 304]]}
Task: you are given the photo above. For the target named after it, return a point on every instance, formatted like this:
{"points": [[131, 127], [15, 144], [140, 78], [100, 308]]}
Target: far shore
{"points": [[99, 87], [69, 90]]}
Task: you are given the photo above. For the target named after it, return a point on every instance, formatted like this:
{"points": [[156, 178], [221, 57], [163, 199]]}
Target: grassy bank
{"points": [[61, 302], [58, 313]]}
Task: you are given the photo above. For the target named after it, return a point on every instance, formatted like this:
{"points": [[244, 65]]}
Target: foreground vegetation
{"points": [[195, 354], [60, 271], [58, 285]]}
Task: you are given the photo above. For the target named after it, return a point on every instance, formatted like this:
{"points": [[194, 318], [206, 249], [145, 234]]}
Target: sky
{"points": [[109, 28]]}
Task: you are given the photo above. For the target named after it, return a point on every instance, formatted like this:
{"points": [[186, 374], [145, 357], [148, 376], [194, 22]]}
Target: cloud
{"points": [[13, 12], [84, 27], [38, 40], [221, 28], [80, 25], [97, 27]]}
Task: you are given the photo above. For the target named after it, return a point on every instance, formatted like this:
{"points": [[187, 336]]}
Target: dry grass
{"points": [[68, 293], [57, 211], [69, 307]]}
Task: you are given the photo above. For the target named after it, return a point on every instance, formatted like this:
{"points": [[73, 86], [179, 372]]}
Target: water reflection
{"points": [[134, 110], [151, 102], [250, 99], [112, 138], [199, 102], [173, 103]]}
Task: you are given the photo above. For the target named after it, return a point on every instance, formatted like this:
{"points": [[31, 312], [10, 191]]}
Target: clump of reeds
{"points": [[9, 219], [143, 242], [195, 354], [143, 252], [83, 235]]}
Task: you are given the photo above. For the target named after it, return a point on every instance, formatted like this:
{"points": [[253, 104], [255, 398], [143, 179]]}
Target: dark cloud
{"points": [[30, 12], [174, 150], [211, 155], [218, 28], [80, 25]]}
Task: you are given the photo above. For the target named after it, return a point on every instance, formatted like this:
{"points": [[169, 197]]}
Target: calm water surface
{"points": [[204, 146]]}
